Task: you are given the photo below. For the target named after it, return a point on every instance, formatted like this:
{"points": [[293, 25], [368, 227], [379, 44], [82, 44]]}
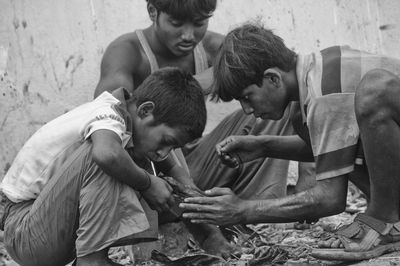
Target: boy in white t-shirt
{"points": [[74, 188]]}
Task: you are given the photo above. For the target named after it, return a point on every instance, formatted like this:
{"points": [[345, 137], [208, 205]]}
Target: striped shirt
{"points": [[327, 84]]}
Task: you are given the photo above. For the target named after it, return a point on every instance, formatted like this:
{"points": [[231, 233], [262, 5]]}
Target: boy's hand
{"points": [[235, 150], [220, 206], [159, 195], [183, 190]]}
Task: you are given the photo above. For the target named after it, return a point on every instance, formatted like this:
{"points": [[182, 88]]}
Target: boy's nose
{"points": [[248, 110], [163, 153], [188, 33]]}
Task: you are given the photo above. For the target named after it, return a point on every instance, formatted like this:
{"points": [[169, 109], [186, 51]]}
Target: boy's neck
{"points": [[131, 108], [292, 83]]}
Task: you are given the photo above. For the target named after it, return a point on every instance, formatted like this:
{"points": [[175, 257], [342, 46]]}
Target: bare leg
{"points": [[377, 106], [360, 178], [209, 237], [212, 240]]}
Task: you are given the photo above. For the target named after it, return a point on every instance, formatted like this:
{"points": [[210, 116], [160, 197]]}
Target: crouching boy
{"points": [[74, 188]]}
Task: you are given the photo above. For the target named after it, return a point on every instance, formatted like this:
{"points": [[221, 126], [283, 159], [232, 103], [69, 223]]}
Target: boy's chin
{"points": [[275, 116], [150, 157], [139, 156], [155, 159]]}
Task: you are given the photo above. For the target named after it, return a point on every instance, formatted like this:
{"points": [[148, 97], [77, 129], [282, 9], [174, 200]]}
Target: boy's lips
{"points": [[185, 46], [261, 115], [155, 158]]}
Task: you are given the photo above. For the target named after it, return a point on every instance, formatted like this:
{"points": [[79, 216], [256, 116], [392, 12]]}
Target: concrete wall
{"points": [[50, 51]]}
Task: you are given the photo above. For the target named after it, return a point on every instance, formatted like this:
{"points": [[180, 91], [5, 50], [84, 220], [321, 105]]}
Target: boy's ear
{"points": [[145, 109], [152, 12], [273, 75]]}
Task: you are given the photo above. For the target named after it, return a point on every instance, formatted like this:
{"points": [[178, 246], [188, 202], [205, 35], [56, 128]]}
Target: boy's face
{"points": [[268, 101], [155, 141], [180, 37]]}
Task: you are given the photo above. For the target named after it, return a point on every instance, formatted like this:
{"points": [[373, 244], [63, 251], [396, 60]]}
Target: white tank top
{"points": [[200, 57]]}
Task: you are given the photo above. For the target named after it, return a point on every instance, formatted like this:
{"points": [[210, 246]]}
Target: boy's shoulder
{"points": [[125, 50], [128, 40], [211, 42]]}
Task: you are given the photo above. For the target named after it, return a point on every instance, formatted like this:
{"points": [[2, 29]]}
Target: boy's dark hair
{"points": [[178, 99], [186, 10], [244, 55]]}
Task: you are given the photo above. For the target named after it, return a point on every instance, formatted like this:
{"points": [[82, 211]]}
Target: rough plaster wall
{"points": [[50, 51]]}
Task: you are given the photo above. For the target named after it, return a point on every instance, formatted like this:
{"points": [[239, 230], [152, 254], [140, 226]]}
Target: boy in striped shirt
{"points": [[348, 124]]}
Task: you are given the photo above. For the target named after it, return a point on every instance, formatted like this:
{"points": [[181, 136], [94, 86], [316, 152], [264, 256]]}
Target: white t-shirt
{"points": [[49, 147]]}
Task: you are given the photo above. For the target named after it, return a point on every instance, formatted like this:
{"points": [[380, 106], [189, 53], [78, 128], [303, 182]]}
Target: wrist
{"points": [[265, 144], [252, 210], [147, 185], [244, 211]]}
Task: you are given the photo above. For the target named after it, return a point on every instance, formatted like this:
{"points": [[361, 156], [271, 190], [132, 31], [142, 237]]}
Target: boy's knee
{"points": [[376, 94]]}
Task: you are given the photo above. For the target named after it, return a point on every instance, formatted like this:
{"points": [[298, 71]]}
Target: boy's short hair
{"points": [[244, 55], [186, 10], [178, 99]]}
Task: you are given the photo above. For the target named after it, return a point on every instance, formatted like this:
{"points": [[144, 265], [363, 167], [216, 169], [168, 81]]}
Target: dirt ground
{"points": [[262, 244]]}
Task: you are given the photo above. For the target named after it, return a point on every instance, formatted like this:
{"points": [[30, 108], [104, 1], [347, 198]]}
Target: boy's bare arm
{"points": [[118, 66], [115, 161], [170, 167], [327, 198], [249, 147], [287, 147], [223, 207]]}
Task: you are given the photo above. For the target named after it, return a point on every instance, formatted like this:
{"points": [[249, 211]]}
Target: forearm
{"points": [[180, 175], [179, 169], [171, 166], [285, 147], [324, 199], [121, 167], [292, 208]]}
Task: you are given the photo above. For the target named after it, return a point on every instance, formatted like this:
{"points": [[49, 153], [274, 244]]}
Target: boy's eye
{"points": [[176, 23], [169, 142], [245, 98], [199, 23]]}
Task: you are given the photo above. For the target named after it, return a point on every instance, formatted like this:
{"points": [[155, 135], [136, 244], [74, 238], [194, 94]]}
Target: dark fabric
{"points": [[5, 206], [330, 80], [262, 178]]}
